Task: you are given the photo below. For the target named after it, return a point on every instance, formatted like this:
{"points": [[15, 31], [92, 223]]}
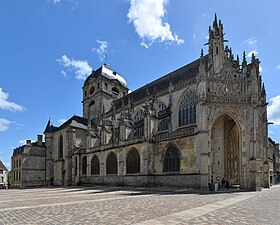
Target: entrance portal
{"points": [[225, 150]]}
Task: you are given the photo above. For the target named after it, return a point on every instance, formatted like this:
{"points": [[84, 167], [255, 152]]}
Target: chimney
{"points": [[40, 140], [28, 142]]}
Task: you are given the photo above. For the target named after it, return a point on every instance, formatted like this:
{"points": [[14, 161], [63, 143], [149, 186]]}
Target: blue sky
{"points": [[47, 48]]}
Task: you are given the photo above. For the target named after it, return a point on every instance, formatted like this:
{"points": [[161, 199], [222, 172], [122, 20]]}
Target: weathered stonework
{"points": [[202, 122]]}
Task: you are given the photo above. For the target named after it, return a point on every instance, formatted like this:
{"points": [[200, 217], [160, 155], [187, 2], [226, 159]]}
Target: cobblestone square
{"points": [[115, 205]]}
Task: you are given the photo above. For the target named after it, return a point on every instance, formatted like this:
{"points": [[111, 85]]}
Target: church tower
{"points": [[100, 89]]}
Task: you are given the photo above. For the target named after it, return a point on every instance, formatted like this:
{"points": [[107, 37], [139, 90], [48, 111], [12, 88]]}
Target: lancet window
{"points": [[172, 159], [95, 168], [111, 163], [133, 162], [139, 124], [187, 109]]}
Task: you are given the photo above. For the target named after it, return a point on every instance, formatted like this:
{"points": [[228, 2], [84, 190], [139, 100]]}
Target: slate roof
{"points": [[50, 128], [2, 166], [185, 72], [107, 72]]}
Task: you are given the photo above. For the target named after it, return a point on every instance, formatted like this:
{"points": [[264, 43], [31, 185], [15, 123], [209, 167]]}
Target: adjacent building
{"points": [[274, 162], [206, 120], [3, 175], [28, 164]]}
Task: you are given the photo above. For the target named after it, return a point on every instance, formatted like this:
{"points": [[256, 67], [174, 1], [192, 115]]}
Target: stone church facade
{"points": [[202, 122]]}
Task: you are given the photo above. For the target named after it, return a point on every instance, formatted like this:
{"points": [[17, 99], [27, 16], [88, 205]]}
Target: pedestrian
{"points": [[227, 185], [223, 183]]}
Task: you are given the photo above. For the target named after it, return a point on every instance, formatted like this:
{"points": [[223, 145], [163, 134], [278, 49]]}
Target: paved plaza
{"points": [[115, 205]]}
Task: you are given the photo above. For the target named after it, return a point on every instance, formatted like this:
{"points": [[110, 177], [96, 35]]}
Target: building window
{"points": [[133, 162], [106, 86], [111, 163], [95, 168], [75, 166], [19, 162], [1, 171], [187, 109], [172, 159], [60, 147], [139, 124], [91, 90], [163, 125], [161, 106], [84, 165], [115, 91]]}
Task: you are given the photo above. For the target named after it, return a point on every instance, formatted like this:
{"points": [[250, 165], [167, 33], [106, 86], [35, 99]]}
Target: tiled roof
{"points": [[162, 83], [50, 128], [2, 166]]}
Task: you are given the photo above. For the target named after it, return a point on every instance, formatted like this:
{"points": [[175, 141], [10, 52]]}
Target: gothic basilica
{"points": [[204, 121]]}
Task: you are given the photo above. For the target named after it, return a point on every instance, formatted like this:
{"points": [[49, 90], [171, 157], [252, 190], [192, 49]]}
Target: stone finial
{"points": [[244, 58], [237, 59], [253, 57], [201, 53]]}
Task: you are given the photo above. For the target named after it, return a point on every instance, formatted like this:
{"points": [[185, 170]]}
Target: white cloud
{"points": [[63, 73], [82, 68], [251, 53], [4, 124], [147, 17], [7, 105], [252, 41], [22, 142], [278, 67], [273, 110], [56, 1], [101, 50], [61, 121]]}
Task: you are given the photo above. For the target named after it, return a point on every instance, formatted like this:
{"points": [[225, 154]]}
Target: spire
{"points": [[49, 126], [216, 45], [263, 90], [237, 59], [215, 23], [244, 62]]}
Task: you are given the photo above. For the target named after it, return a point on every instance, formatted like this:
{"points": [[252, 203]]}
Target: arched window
{"points": [[112, 163], [139, 124], [60, 147], [187, 109], [163, 124], [95, 168], [133, 162], [84, 165], [172, 159]]}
